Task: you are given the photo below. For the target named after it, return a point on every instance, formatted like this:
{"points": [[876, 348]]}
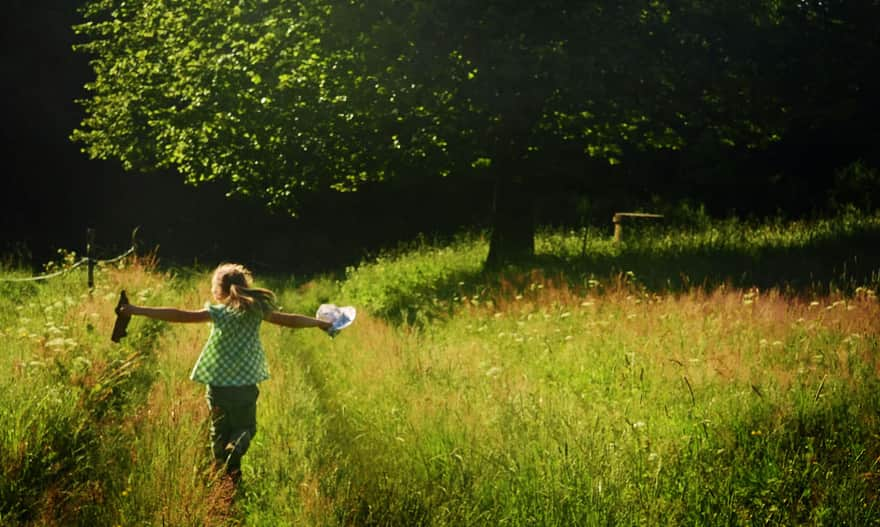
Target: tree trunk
{"points": [[513, 223]]}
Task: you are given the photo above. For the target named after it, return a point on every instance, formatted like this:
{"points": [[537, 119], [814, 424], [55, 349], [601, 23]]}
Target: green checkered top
{"points": [[233, 355]]}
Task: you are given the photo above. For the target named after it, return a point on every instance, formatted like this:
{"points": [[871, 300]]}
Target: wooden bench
{"points": [[618, 218]]}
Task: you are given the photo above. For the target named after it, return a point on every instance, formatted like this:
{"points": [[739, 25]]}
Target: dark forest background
{"points": [[53, 192]]}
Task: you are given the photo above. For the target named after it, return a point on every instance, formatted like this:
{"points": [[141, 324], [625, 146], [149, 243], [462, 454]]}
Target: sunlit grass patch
{"points": [[601, 398], [86, 441], [596, 387]]}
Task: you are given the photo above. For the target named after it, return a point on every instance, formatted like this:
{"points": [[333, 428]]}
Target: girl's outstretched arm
{"points": [[290, 320], [168, 314]]}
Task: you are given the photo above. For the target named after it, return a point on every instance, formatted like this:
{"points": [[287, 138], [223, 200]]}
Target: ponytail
{"points": [[231, 285], [241, 297]]}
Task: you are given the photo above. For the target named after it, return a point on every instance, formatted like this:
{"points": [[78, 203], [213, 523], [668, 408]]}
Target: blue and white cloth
{"points": [[339, 317]]}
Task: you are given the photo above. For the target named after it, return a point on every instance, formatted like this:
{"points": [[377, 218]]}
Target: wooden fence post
{"points": [[618, 217], [90, 241], [618, 227]]}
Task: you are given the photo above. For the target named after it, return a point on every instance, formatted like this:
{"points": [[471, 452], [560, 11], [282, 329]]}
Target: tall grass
{"points": [[94, 432], [624, 408], [672, 379]]}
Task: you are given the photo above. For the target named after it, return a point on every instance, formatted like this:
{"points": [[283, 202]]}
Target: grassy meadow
{"points": [[706, 373]]}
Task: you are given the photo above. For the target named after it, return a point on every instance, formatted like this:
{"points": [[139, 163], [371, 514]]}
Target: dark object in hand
{"points": [[119, 328]]}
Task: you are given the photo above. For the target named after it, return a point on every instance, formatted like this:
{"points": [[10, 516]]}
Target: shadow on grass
{"points": [[816, 461], [825, 265]]}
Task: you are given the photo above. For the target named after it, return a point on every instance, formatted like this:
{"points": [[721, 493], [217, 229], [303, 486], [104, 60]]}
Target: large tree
{"points": [[284, 97]]}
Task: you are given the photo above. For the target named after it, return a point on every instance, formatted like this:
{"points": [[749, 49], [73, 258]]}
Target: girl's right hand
{"points": [[127, 309]]}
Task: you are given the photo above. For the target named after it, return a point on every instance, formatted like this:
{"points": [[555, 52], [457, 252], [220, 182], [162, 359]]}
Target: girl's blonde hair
{"points": [[232, 285]]}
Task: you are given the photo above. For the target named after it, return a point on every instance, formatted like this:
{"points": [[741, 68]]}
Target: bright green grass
{"points": [[91, 434], [825, 256], [621, 409], [591, 398], [606, 389]]}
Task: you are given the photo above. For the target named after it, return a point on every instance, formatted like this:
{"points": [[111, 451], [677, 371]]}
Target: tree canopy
{"points": [[283, 97]]}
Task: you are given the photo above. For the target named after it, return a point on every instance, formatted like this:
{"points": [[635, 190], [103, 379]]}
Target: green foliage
{"points": [[67, 391], [283, 97], [855, 185], [48, 418], [417, 284]]}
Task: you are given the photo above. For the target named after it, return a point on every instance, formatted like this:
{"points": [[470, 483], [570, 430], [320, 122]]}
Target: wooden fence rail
{"points": [[88, 260], [618, 218]]}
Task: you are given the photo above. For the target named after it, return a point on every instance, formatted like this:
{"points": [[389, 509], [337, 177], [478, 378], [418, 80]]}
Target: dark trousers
{"points": [[233, 424]]}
